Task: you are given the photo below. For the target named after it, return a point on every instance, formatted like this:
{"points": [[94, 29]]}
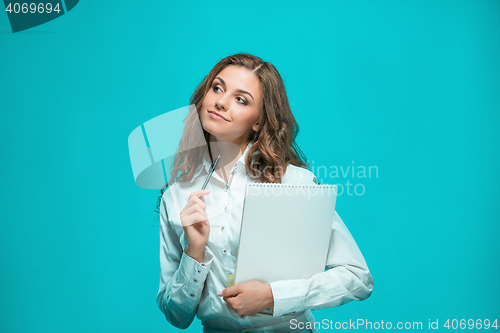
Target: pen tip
{"points": [[218, 156]]}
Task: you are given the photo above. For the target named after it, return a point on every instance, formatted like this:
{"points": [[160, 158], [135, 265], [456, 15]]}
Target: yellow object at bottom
{"points": [[230, 280]]}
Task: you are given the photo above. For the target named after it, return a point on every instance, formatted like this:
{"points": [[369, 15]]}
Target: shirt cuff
{"points": [[288, 296], [195, 273]]}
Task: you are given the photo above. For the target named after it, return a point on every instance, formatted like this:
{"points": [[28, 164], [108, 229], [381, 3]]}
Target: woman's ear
{"points": [[256, 126]]}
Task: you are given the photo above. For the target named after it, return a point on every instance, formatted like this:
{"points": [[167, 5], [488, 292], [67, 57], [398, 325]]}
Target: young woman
{"points": [[245, 117]]}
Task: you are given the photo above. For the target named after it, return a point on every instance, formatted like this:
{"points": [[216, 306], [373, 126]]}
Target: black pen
{"points": [[212, 168]]}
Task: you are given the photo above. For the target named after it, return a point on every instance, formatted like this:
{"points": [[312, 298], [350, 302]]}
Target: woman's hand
{"points": [[194, 221], [248, 298]]}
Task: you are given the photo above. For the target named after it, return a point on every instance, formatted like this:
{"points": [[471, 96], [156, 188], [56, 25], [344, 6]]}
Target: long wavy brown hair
{"points": [[274, 142]]}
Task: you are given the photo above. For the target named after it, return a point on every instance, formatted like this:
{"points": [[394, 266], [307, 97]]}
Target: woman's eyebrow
{"points": [[237, 90]]}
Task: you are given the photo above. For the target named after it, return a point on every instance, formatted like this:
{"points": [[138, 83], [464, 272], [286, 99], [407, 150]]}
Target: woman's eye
{"points": [[242, 101]]}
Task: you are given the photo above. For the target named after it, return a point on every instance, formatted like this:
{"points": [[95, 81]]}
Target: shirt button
{"points": [[192, 295], [225, 208], [222, 228], [199, 271], [195, 280], [225, 251]]}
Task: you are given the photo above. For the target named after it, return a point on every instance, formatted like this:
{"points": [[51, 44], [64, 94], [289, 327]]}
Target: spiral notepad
{"points": [[285, 231]]}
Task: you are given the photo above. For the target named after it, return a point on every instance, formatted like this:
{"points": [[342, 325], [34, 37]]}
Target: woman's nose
{"points": [[220, 104]]}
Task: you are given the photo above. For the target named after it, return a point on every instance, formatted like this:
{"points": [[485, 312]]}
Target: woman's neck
{"points": [[229, 152]]}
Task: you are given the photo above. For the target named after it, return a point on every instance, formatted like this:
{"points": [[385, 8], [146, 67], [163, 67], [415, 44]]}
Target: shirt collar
{"points": [[206, 164]]}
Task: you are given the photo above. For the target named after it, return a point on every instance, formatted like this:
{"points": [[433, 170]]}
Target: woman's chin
{"points": [[212, 129]]}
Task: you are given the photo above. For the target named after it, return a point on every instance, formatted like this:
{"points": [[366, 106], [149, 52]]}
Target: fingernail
{"points": [[219, 293]]}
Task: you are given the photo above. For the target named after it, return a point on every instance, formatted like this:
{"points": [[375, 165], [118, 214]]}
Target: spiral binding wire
{"points": [[267, 184]]}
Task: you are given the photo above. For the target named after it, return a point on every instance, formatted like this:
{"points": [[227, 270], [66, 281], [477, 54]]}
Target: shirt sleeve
{"points": [[346, 278], [181, 277]]}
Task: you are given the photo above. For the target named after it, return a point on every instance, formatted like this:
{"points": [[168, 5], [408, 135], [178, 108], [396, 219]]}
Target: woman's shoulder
{"points": [[170, 195], [298, 175], [167, 194], [177, 193], [178, 188]]}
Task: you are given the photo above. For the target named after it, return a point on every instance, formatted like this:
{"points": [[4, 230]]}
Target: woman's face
{"points": [[235, 94]]}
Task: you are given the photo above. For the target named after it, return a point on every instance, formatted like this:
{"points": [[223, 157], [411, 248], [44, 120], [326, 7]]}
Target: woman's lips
{"points": [[216, 115]]}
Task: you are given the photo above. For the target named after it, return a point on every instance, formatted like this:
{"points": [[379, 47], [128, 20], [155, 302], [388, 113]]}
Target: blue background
{"points": [[412, 87]]}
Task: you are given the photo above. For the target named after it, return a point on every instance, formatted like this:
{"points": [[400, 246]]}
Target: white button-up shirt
{"points": [[189, 288]]}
